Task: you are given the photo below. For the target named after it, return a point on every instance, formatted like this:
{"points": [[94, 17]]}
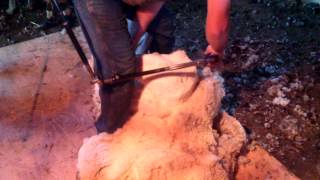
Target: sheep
{"points": [[171, 134]]}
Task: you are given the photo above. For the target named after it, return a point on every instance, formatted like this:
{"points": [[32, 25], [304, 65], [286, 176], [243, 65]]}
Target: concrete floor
{"points": [[43, 116]]}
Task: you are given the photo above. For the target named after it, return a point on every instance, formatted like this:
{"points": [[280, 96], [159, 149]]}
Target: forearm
{"points": [[217, 24], [218, 41]]}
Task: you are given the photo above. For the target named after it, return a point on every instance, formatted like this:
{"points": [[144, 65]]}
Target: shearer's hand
{"points": [[217, 65], [211, 52], [144, 15]]}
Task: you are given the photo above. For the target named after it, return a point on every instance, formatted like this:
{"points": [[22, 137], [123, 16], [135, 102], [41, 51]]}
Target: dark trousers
{"points": [[105, 28]]}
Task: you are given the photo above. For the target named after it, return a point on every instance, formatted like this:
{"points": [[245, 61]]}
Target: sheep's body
{"points": [[170, 136]]}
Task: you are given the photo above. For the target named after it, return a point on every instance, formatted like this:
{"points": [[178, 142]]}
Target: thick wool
{"points": [[170, 136]]}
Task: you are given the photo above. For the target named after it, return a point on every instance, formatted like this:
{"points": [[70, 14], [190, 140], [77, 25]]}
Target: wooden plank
{"points": [[258, 164], [40, 137]]}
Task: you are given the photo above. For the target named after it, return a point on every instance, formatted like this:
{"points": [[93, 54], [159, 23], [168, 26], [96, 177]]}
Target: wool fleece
{"points": [[176, 132]]}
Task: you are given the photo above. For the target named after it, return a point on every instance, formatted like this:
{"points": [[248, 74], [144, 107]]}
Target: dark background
{"points": [[273, 52]]}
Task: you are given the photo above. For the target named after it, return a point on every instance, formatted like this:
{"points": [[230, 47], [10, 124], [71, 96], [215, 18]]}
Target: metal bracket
{"points": [[200, 63]]}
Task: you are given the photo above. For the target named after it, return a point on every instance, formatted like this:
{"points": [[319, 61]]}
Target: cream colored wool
{"points": [[170, 136]]}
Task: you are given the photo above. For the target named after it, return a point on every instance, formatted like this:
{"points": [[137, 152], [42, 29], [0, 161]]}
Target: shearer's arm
{"points": [[217, 25], [144, 15]]}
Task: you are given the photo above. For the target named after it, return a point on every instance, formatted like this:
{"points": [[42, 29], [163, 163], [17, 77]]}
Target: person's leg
{"points": [[104, 25], [53, 19], [161, 30], [11, 7], [29, 4], [115, 106]]}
